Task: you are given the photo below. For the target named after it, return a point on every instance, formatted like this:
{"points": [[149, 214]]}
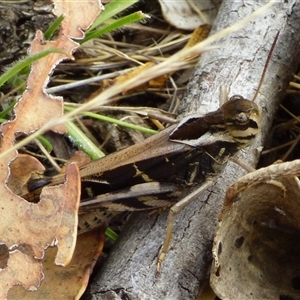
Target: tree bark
{"points": [[129, 272]]}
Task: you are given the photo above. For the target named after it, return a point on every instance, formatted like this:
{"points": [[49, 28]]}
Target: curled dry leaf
{"points": [[79, 15], [40, 224], [71, 281], [188, 14], [36, 108], [14, 273], [22, 169], [53, 220], [256, 247]]}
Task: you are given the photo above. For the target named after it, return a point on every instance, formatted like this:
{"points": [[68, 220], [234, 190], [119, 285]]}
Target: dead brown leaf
{"points": [[53, 220], [78, 15], [79, 157], [14, 273], [69, 282], [37, 224], [22, 169]]}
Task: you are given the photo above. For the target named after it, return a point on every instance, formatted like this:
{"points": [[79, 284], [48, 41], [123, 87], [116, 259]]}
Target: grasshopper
{"points": [[158, 171]]}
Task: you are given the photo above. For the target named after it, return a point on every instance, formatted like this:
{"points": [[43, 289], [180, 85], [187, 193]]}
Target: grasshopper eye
{"points": [[242, 119]]}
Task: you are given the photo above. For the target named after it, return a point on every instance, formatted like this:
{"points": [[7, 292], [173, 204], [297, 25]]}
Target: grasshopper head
{"points": [[242, 119]]}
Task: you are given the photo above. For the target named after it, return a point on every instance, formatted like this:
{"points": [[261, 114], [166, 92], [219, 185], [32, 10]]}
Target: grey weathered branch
{"points": [[129, 273]]}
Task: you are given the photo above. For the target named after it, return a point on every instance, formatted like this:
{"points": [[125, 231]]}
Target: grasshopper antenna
{"points": [[266, 66]]}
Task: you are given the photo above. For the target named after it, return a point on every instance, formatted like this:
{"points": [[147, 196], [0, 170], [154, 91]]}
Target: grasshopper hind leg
{"points": [[174, 210]]}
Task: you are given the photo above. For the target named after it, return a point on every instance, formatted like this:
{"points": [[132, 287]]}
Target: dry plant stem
{"points": [[46, 153], [291, 148], [130, 269]]}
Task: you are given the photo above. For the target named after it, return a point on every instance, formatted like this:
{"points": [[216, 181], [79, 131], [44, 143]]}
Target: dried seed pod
{"points": [[188, 15], [257, 244]]}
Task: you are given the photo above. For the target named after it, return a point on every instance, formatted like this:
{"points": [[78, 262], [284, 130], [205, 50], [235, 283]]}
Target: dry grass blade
{"points": [[171, 64]]}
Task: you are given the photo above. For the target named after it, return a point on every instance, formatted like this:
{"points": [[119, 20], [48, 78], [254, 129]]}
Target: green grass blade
{"points": [[17, 67], [116, 24], [46, 143], [53, 27], [83, 142], [111, 10], [111, 234], [115, 121], [4, 112]]}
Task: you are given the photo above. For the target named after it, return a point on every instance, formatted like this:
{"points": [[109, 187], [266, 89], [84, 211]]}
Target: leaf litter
{"points": [[53, 220]]}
